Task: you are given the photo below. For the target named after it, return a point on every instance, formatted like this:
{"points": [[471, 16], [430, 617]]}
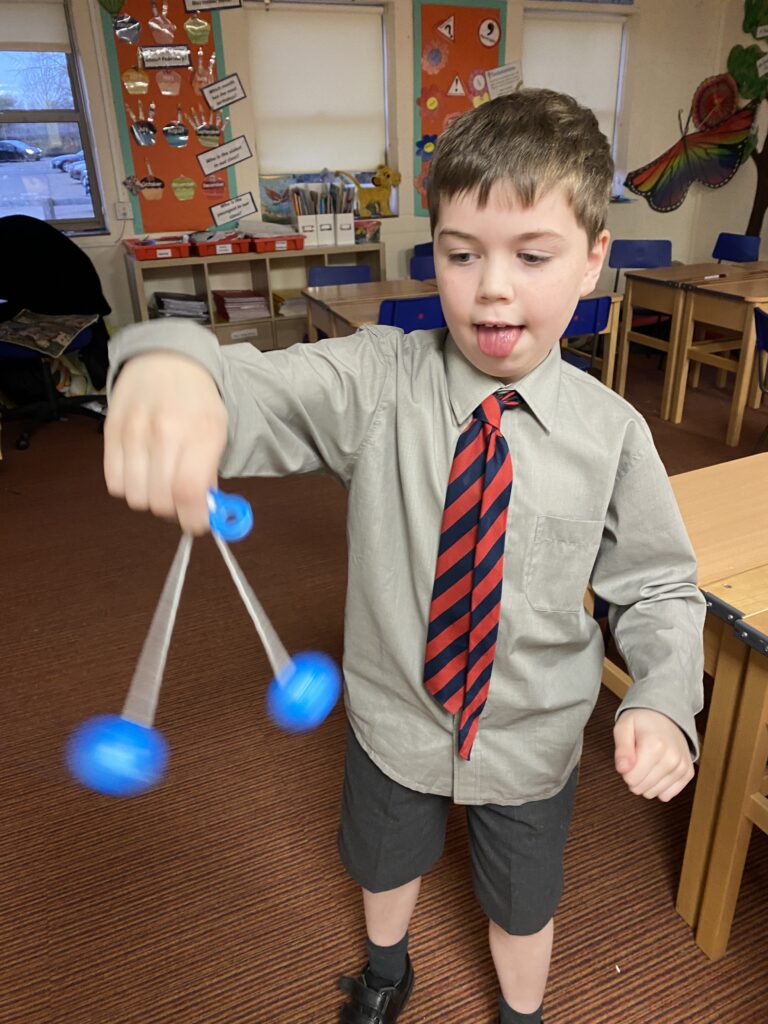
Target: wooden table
{"points": [[326, 303], [663, 290], [723, 510], [729, 304]]}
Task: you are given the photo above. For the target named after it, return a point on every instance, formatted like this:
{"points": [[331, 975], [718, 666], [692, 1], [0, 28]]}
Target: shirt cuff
{"points": [[181, 337]]}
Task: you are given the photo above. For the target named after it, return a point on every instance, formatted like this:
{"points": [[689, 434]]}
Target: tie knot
{"points": [[494, 405]]}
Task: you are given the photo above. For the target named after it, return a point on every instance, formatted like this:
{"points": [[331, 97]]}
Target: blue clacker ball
{"points": [[304, 693], [116, 757]]}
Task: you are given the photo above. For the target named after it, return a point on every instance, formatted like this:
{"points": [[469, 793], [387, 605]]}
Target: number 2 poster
{"points": [[454, 45]]}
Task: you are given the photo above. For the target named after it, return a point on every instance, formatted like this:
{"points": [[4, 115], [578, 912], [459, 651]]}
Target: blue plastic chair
{"points": [[736, 248], [422, 268], [641, 254], [638, 254], [761, 364], [420, 314], [354, 273], [589, 318], [423, 249]]}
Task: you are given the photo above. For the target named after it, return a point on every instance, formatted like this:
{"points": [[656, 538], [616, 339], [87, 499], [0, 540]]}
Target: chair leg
{"points": [[760, 441], [695, 375], [722, 378], [622, 359]]}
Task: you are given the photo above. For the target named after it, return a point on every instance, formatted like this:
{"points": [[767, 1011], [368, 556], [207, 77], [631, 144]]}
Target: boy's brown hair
{"points": [[533, 140]]}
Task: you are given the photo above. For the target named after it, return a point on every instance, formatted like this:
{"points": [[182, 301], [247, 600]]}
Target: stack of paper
{"points": [[241, 305], [289, 302], [294, 307], [192, 307]]}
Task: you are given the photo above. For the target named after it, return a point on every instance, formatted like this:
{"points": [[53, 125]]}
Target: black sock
{"points": [[509, 1016], [386, 964]]}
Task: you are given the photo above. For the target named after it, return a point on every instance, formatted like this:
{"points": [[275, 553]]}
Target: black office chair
{"points": [[46, 272]]}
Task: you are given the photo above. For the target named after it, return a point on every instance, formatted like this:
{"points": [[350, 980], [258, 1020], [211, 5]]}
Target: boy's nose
{"points": [[496, 282]]}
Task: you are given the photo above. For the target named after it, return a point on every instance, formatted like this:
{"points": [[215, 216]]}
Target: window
{"points": [[319, 91], [578, 54], [46, 163]]}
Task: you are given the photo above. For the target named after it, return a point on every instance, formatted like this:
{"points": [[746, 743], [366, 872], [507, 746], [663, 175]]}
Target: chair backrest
{"points": [[422, 268], [50, 274], [638, 253], [420, 314], [354, 273], [589, 317], [736, 248], [423, 249]]}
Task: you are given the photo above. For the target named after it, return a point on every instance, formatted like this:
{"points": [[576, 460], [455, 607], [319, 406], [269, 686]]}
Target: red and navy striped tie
{"points": [[464, 615]]}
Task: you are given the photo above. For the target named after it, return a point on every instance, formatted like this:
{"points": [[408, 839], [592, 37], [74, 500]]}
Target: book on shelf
{"points": [[289, 302], [177, 304], [241, 305]]}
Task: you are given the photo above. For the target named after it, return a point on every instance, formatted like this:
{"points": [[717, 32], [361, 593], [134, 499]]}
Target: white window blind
{"points": [[578, 55], [40, 25], [319, 96]]}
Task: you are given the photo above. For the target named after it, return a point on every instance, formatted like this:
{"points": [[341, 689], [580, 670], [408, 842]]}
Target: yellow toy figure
{"points": [[373, 200]]}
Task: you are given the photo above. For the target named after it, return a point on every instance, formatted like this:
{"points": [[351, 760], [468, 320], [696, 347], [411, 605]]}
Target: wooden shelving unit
{"points": [[265, 273]]}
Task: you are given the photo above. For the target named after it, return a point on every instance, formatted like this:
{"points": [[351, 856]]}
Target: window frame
{"points": [[79, 115]]}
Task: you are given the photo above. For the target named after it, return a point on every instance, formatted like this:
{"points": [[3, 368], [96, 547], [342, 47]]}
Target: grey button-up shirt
{"points": [[591, 503]]}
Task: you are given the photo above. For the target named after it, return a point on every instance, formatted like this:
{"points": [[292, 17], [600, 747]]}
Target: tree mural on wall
{"points": [[749, 68]]}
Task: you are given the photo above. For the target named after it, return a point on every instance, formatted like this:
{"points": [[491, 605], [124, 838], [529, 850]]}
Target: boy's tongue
{"points": [[497, 341]]}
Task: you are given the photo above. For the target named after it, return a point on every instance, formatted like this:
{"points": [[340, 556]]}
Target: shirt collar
{"points": [[468, 386]]}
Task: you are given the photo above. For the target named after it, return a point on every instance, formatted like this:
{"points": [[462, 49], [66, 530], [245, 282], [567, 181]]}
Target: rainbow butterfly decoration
{"points": [[711, 155]]}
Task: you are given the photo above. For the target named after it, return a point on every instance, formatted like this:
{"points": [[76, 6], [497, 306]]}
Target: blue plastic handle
{"points": [[230, 515]]}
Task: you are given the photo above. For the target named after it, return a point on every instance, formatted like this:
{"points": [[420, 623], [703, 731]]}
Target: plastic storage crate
{"points": [[226, 248], [278, 243], [171, 247]]}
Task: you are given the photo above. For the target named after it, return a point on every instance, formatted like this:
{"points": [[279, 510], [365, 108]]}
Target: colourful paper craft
{"points": [[710, 156]]}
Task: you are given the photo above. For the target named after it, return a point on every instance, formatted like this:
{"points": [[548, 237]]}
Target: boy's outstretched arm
{"points": [[646, 571], [164, 437], [652, 754]]}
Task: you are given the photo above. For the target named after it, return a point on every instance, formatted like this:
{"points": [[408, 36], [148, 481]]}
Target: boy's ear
{"points": [[595, 260]]}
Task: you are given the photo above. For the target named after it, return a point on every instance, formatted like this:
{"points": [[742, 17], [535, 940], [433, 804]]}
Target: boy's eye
{"points": [[460, 257], [532, 258]]}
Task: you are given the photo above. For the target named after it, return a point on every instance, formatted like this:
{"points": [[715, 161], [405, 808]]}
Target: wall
{"points": [[672, 46], [728, 208]]}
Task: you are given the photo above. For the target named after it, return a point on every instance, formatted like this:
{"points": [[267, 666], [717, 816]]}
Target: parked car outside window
{"points": [[60, 162], [12, 149]]}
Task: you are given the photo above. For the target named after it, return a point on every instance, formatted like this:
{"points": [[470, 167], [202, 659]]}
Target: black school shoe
{"points": [[367, 1006], [498, 1020]]}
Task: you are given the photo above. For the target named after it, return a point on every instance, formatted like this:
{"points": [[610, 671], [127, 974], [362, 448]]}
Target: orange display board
{"points": [[454, 45], [161, 58]]}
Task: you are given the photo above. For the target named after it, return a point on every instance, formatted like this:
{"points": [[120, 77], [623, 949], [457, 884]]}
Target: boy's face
{"points": [[510, 278]]}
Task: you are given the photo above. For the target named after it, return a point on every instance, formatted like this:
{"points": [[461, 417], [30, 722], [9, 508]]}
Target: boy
{"points": [[470, 664]]}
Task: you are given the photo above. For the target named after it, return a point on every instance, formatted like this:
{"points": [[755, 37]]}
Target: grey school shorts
{"points": [[390, 835]]}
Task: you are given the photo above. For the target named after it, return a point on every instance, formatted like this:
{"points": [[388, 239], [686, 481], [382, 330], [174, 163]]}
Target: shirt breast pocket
{"points": [[560, 562]]}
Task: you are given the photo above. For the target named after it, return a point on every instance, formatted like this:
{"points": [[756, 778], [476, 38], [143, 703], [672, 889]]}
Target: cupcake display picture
{"points": [[152, 187], [164, 55]]}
